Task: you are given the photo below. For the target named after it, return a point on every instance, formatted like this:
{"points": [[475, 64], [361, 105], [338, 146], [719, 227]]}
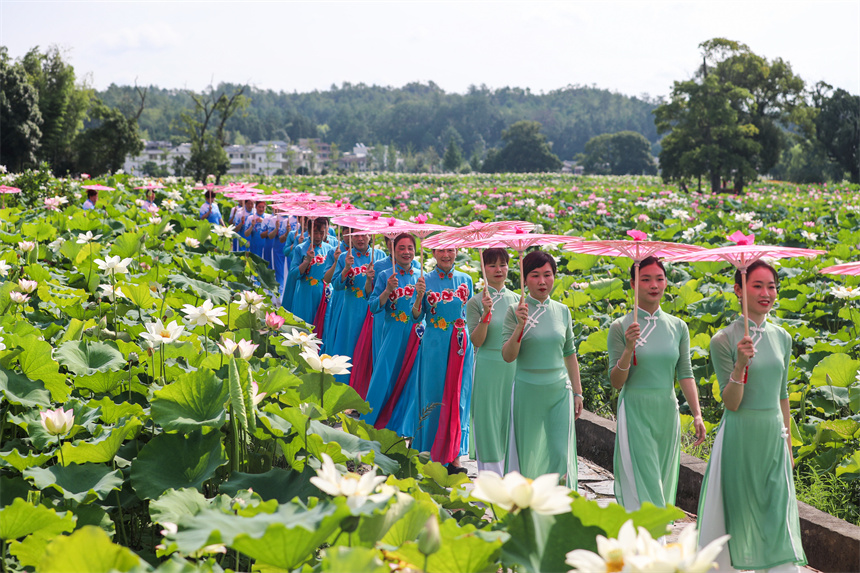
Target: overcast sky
{"points": [[632, 47]]}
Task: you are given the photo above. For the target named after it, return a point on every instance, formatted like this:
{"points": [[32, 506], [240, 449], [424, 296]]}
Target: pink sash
{"points": [[362, 358], [319, 319], [405, 370], [446, 446]]}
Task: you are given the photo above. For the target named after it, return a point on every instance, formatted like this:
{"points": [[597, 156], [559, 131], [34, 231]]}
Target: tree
{"points": [[622, 153], [205, 127], [20, 118], [453, 158], [63, 105], [104, 147], [705, 136], [838, 127], [526, 150]]}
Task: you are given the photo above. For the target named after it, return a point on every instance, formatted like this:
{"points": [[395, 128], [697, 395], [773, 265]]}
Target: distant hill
{"points": [[415, 116]]}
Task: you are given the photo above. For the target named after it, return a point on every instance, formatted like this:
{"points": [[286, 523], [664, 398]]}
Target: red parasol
{"points": [[638, 249], [852, 269], [744, 253]]}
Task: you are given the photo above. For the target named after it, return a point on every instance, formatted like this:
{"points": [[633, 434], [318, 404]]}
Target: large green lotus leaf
{"points": [[339, 559], [140, 294], [88, 251], [613, 289], [841, 369], [540, 542], [127, 245], [336, 397], [176, 461], [202, 289], [101, 382], [175, 504], [266, 275], [278, 379], [612, 517], [83, 483], [849, 468], [75, 329], [11, 488], [596, 342], [389, 442], [22, 518], [36, 364], [854, 399], [38, 273], [294, 538], [228, 263], [196, 400], [19, 390], [828, 399], [14, 458], [464, 549], [41, 231], [85, 358], [411, 521], [87, 550], [111, 411], [70, 250], [278, 484], [101, 449]]}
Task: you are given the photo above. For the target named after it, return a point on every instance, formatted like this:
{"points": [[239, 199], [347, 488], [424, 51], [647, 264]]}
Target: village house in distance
{"points": [[308, 156]]}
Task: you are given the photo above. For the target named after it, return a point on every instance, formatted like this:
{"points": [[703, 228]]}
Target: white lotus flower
{"points": [[191, 242], [256, 395], [111, 293], [225, 232], [157, 334], [326, 363], [357, 488], [58, 422], [250, 300], [170, 204], [27, 286], [845, 292], [307, 340], [632, 552], [155, 220], [543, 495], [4, 268], [18, 297], [245, 347], [84, 238], [174, 195], [26, 246], [168, 228], [203, 315], [2, 346], [57, 244], [113, 265]]}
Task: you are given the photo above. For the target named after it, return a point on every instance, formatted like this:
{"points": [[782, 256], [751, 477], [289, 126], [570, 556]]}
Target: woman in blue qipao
{"points": [[393, 389], [310, 261], [350, 278], [253, 229], [209, 210], [237, 218], [295, 238], [445, 387]]}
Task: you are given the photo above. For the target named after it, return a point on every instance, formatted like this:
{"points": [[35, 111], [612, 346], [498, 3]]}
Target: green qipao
{"points": [[748, 491], [648, 437], [493, 381], [544, 439]]}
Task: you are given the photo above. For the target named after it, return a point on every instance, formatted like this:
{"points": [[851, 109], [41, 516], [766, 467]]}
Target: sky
{"points": [[632, 47]]}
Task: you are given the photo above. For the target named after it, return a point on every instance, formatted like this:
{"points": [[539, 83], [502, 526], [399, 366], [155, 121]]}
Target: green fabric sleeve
{"points": [[684, 368]]}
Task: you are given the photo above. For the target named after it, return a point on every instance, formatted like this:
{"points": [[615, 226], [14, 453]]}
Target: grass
{"points": [[830, 494]]}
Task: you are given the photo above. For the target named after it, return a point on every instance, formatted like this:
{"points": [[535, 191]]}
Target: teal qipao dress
{"points": [[748, 491], [648, 437], [493, 382], [544, 438]]}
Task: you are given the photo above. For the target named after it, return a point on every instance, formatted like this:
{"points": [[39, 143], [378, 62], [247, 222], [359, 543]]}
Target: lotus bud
{"points": [[58, 422], [430, 540], [133, 358]]}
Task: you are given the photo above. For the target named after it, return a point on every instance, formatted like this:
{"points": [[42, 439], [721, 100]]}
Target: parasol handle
{"points": [[522, 278], [421, 248], [744, 301], [635, 300], [483, 268]]}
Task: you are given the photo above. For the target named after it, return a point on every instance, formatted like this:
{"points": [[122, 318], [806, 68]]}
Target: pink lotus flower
{"points": [[637, 235], [741, 239], [273, 321]]}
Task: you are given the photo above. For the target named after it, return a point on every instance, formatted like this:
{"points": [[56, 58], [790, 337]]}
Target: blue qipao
{"points": [[309, 286], [212, 213]]}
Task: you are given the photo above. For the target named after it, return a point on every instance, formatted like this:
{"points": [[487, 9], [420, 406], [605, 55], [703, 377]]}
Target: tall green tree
{"points": [[526, 150], [453, 158], [63, 104], [622, 153], [705, 135], [837, 127], [103, 147], [205, 126], [20, 118]]}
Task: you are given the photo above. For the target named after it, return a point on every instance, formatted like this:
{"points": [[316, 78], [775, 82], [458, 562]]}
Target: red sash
{"points": [[446, 446], [362, 358], [405, 369], [319, 319]]}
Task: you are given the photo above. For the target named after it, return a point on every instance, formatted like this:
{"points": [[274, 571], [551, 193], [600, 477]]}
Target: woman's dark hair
{"points": [[646, 262], [404, 236], [210, 194], [320, 222], [492, 256], [92, 193], [759, 264], [537, 259]]}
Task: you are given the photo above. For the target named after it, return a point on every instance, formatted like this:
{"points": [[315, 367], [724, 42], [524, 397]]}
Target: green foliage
{"points": [[526, 150], [622, 153]]}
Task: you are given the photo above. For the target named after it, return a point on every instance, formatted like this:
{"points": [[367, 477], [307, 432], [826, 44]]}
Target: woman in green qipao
{"points": [[748, 491], [648, 439], [547, 395], [494, 378]]}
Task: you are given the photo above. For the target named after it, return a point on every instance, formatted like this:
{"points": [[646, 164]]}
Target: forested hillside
{"points": [[416, 116]]}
